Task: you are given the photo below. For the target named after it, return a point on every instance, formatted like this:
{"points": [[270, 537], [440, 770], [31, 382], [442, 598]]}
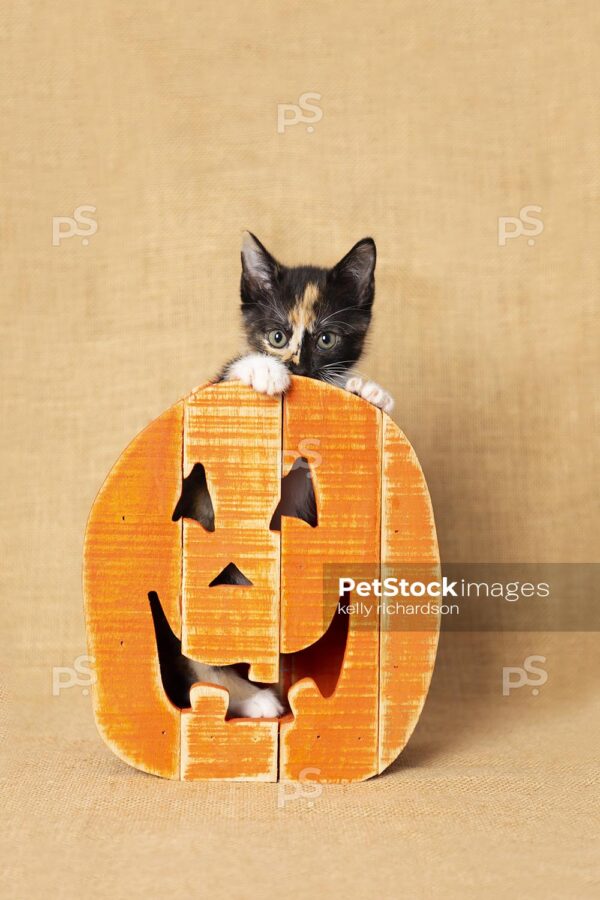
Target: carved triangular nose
{"points": [[230, 575]]}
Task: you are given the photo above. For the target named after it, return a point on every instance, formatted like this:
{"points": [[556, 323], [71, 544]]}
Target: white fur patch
{"points": [[263, 373], [370, 391], [245, 698], [263, 704]]}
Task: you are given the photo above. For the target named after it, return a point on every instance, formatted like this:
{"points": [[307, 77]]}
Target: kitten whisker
{"points": [[336, 313], [343, 364], [335, 380], [343, 324]]}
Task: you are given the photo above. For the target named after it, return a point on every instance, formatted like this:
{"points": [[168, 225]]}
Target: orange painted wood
{"points": [[374, 517], [336, 735], [132, 547], [236, 434], [342, 434], [408, 549], [239, 750]]}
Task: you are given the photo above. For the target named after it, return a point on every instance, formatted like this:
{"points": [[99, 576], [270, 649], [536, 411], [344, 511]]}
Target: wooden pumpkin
{"points": [[355, 684]]}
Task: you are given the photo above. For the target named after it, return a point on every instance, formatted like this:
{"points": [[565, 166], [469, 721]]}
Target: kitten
{"points": [[300, 320], [306, 320]]}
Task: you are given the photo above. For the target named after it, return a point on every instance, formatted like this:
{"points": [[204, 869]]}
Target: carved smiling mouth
{"points": [[321, 661]]}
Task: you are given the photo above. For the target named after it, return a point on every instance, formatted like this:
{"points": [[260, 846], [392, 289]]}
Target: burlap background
{"points": [[438, 117]]}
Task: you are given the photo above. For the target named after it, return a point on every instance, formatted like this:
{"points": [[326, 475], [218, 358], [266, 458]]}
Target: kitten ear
{"points": [[259, 269], [357, 269]]}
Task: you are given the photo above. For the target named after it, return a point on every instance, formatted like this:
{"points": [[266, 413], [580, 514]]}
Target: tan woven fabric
{"points": [[437, 119]]}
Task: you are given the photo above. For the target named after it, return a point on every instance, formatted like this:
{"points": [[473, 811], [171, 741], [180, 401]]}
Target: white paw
{"points": [[372, 392], [263, 373], [264, 704]]}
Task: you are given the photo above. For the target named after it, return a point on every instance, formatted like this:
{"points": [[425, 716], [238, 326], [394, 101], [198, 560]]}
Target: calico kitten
{"points": [[306, 320], [300, 320]]}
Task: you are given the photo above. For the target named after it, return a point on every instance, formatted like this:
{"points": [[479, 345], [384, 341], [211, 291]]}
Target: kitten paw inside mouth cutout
{"points": [[264, 704], [322, 662], [263, 373]]}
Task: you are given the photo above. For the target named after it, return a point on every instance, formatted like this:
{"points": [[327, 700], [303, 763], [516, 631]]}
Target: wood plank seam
{"points": [[182, 526], [281, 680], [380, 568]]}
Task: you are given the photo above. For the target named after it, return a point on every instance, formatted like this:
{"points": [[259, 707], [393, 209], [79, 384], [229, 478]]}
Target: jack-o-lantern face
{"points": [[194, 549]]}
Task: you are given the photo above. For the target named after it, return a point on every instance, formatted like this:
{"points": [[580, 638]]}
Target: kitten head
{"points": [[314, 320]]}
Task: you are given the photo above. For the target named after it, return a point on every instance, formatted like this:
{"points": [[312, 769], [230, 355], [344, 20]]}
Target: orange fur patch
{"points": [[302, 318], [303, 313]]}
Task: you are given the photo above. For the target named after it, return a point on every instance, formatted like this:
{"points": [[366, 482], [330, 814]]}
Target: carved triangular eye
{"points": [[297, 496], [230, 575], [195, 502]]}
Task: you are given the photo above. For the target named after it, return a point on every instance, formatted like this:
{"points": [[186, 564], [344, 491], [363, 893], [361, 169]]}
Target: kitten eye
{"points": [[277, 338], [327, 340]]}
